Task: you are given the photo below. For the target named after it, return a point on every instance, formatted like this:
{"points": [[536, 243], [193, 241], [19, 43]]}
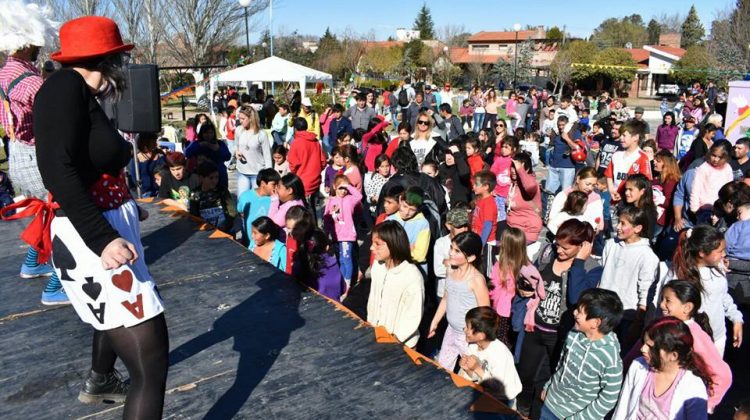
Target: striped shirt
{"points": [[21, 97], [588, 378]]}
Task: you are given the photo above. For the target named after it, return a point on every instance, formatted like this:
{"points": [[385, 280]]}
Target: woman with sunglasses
{"points": [[424, 145]]}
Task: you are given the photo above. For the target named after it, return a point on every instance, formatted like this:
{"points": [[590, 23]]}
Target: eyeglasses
{"points": [[423, 122], [500, 125]]}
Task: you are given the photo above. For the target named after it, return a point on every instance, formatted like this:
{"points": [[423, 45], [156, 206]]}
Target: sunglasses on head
{"points": [[423, 122]]}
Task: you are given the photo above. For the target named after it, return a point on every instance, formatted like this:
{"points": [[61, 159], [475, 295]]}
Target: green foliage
{"points": [[654, 31], [730, 59], [692, 29], [693, 66], [555, 34], [424, 24], [739, 26], [381, 60], [445, 72], [615, 32], [507, 70]]}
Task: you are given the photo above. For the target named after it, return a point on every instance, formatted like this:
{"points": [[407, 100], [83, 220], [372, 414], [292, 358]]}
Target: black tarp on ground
{"points": [[246, 342]]}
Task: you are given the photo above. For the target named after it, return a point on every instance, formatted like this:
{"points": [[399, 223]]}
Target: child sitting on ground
{"points": [[589, 375], [210, 202]]}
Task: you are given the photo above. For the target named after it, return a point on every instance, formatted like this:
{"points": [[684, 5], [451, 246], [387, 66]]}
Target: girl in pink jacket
{"points": [[512, 263], [338, 219]]}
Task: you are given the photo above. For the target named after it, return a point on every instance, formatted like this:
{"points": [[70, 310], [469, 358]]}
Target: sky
{"points": [[385, 16]]}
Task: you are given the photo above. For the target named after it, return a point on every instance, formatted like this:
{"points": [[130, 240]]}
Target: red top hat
{"points": [[88, 37]]}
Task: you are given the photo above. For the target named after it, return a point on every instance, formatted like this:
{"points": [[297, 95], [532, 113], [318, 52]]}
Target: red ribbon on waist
{"points": [[37, 234]]}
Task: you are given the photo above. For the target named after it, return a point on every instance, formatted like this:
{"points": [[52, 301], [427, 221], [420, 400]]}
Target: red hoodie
{"points": [[306, 159]]}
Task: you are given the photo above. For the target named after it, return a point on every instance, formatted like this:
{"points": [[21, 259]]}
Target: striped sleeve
{"points": [[611, 382]]}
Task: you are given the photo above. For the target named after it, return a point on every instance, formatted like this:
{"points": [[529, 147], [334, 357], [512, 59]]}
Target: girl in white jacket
{"points": [[397, 288], [669, 381]]}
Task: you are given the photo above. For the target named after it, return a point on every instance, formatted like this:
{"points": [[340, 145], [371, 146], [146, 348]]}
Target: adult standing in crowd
{"points": [[19, 82], [96, 238], [253, 149], [360, 114]]}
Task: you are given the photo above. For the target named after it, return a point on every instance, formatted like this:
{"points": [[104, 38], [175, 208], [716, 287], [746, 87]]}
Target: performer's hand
{"points": [[117, 253], [142, 214]]}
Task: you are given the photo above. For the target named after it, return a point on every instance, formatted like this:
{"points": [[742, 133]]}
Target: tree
{"points": [[618, 33], [561, 70], [692, 29], [670, 23], [730, 58], [507, 70], [580, 53], [453, 35], [381, 60], [423, 23], [478, 72], [197, 30], [654, 32], [328, 46], [739, 22], [555, 34], [693, 66]]}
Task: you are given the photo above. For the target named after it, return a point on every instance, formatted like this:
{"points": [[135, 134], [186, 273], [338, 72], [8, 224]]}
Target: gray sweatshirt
{"points": [[629, 270], [257, 151]]}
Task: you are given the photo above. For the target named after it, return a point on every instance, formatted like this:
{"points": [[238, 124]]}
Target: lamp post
{"points": [[516, 27], [245, 4], [446, 65]]}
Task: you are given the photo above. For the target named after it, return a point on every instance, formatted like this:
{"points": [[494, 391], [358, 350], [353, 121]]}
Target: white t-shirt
{"points": [[497, 363]]}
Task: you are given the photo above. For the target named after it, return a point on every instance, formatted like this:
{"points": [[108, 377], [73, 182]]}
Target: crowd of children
{"points": [[601, 290]]}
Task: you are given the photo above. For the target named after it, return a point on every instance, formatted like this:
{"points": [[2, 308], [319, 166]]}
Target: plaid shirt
{"points": [[21, 98]]}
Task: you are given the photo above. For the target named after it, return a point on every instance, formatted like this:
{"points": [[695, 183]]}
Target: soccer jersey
{"points": [[624, 164]]}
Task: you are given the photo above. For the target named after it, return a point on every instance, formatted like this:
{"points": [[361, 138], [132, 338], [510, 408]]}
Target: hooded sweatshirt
{"points": [[307, 160], [588, 378], [629, 271]]}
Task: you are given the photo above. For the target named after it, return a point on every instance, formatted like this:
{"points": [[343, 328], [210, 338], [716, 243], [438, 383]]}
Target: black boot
{"points": [[103, 388]]}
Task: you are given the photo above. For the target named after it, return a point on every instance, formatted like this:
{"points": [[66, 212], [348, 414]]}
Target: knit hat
{"points": [[23, 24], [457, 217]]}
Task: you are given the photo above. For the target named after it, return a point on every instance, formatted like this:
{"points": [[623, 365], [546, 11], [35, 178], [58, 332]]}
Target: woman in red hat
{"points": [[95, 232]]}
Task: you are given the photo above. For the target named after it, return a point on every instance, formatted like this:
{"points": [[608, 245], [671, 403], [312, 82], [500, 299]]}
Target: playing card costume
{"points": [[81, 159]]}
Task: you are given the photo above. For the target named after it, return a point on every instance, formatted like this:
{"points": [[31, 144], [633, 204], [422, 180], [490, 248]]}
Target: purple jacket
{"points": [[666, 136]]}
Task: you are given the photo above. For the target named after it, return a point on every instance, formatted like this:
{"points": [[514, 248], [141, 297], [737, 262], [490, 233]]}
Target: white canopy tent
{"points": [[272, 69]]}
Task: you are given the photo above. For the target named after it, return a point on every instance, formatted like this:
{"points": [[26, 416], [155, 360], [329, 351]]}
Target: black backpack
{"points": [[403, 98]]}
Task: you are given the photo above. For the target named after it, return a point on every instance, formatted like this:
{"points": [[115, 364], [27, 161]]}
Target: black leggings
{"points": [[539, 355], [489, 121], [144, 350]]}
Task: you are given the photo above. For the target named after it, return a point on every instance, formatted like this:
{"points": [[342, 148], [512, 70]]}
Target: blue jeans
{"points": [[547, 414], [559, 179], [346, 260], [501, 214], [478, 121], [245, 182], [278, 138]]}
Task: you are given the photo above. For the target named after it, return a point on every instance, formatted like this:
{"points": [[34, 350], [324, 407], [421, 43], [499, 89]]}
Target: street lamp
{"points": [[245, 4], [516, 27]]}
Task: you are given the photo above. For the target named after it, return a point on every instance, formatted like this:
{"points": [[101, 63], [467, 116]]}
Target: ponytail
{"points": [[686, 292], [692, 242]]}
